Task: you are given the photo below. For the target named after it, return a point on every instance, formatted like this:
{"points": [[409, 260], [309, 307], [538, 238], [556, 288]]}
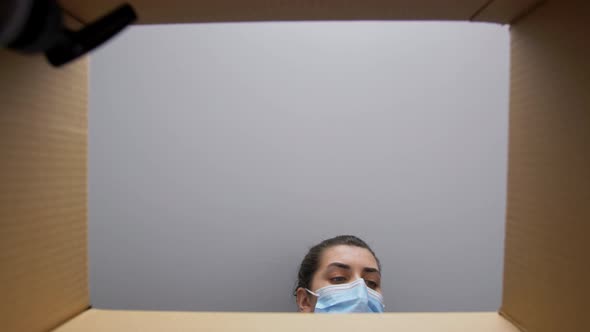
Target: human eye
{"points": [[338, 280], [371, 284]]}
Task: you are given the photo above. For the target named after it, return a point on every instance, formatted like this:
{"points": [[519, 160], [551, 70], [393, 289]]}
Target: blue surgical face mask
{"points": [[352, 297]]}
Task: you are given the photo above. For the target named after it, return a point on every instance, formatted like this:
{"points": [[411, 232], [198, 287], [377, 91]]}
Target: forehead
{"points": [[354, 256]]}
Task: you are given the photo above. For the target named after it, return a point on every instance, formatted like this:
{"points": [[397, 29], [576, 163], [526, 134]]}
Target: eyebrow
{"points": [[371, 270], [347, 267]]}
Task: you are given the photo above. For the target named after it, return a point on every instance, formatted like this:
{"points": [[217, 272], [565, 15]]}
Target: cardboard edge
{"points": [[109, 320], [488, 12], [502, 311], [74, 23], [275, 12], [72, 20], [512, 320], [481, 9], [68, 320]]}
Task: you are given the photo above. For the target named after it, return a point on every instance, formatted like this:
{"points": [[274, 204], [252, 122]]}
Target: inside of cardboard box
{"points": [[43, 247]]}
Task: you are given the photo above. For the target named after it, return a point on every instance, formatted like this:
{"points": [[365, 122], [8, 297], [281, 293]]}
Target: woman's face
{"points": [[341, 264]]}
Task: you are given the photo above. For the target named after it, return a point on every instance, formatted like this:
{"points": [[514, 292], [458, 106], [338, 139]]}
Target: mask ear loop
{"points": [[312, 293]]}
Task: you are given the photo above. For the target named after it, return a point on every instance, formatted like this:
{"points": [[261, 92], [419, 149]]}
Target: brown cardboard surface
{"points": [[183, 11], [504, 11], [151, 321], [43, 270], [547, 259]]}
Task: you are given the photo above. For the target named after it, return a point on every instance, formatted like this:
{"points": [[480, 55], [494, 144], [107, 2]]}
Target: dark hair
{"points": [[310, 262]]}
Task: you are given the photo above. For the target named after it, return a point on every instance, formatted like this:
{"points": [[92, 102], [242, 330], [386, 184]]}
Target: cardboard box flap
{"points": [[547, 259], [185, 11], [152, 321], [43, 274]]}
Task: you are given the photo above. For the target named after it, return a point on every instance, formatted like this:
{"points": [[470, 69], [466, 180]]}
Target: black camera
{"points": [[37, 26]]}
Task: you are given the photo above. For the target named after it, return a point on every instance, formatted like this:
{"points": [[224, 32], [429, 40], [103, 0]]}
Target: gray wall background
{"points": [[220, 153]]}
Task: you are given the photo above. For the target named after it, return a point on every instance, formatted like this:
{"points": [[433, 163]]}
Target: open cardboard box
{"points": [[43, 180]]}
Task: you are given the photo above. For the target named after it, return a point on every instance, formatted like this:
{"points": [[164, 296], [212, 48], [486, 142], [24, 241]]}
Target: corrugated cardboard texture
{"points": [[43, 269], [184, 11], [146, 321], [547, 262]]}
